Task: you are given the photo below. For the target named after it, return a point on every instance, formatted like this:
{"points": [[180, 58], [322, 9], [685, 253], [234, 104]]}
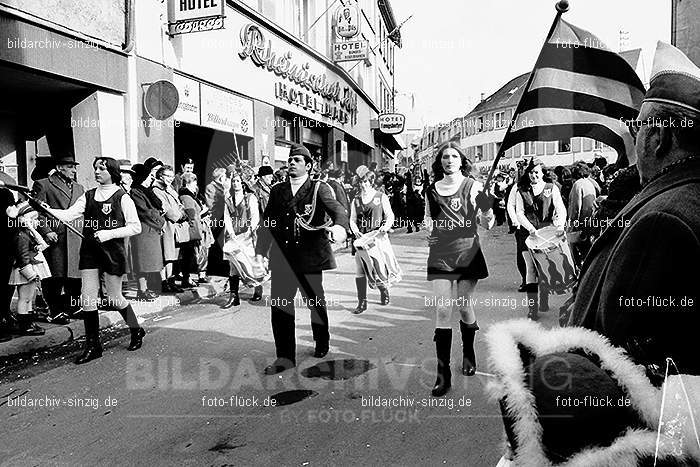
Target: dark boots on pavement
{"points": [[93, 347], [384, 294], [233, 299], [532, 303], [361, 285], [137, 332], [468, 356], [443, 344]]}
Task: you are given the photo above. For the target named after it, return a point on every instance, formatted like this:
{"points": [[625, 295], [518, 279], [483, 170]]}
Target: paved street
{"points": [[195, 394]]}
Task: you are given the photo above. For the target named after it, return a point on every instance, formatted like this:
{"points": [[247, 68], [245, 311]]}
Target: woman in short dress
{"points": [[109, 216], [455, 261], [538, 204], [370, 210]]}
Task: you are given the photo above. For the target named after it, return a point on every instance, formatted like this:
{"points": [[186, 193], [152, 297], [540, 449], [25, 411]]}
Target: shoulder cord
{"points": [[306, 223]]}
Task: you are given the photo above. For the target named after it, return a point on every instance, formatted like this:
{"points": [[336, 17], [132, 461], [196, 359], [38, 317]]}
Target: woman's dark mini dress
{"points": [[457, 254]]}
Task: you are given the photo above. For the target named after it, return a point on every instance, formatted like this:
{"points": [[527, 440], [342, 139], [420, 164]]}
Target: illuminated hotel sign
{"points": [[299, 85]]}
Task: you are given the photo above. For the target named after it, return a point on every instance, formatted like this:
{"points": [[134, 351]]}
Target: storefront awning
{"points": [[389, 142]]}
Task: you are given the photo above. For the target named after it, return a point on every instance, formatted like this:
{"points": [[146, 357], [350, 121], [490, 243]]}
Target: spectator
{"points": [[639, 284], [263, 185], [193, 209], [174, 215], [580, 213], [146, 250], [186, 168], [335, 182], [29, 266], [61, 191]]}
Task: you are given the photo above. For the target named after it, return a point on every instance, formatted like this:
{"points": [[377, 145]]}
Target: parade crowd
{"points": [[610, 235]]}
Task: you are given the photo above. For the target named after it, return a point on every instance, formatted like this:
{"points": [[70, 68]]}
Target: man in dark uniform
{"points": [[61, 191], [299, 251], [639, 282]]}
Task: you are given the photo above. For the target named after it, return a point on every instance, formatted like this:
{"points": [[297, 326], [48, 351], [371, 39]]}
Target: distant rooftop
{"points": [[506, 96]]}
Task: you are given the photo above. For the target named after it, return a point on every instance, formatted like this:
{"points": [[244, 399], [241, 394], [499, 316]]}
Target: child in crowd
{"points": [[29, 265]]}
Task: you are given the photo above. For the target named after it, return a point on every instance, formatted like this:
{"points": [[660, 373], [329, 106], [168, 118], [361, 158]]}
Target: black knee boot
{"points": [[233, 299], [93, 347], [443, 345], [137, 332], [361, 285], [468, 356], [384, 294], [532, 295], [257, 294], [544, 298]]}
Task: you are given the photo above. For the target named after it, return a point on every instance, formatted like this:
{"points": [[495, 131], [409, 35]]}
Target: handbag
{"points": [[182, 233]]}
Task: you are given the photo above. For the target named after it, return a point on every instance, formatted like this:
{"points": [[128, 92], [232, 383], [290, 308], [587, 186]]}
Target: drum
{"points": [[552, 257], [240, 253], [378, 260]]}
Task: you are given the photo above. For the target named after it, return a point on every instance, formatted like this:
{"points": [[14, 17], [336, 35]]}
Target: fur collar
{"points": [[504, 358]]}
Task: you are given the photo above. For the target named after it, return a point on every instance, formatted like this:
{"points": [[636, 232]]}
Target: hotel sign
{"points": [[185, 16], [391, 124], [350, 51], [298, 83]]}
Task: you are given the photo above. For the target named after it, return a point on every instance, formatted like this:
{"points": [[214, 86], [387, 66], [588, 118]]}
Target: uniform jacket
{"points": [[311, 250], [61, 256], [651, 250]]}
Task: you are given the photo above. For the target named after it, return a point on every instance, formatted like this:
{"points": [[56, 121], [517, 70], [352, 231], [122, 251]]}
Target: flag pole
{"points": [[562, 6]]}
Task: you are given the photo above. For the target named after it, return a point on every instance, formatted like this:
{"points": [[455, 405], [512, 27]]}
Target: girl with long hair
{"points": [[455, 261], [538, 204]]}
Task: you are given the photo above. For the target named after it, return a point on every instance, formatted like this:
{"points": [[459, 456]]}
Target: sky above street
{"points": [[453, 50]]}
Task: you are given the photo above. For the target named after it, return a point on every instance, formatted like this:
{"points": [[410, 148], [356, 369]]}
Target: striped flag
{"points": [[579, 87]]}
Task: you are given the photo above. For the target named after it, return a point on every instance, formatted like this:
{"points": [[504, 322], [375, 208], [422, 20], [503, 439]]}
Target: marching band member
{"points": [[455, 260], [109, 217], [299, 251], [537, 204], [370, 211], [241, 219]]}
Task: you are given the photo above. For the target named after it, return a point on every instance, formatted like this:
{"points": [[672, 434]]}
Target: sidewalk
{"points": [[60, 334], [57, 335]]}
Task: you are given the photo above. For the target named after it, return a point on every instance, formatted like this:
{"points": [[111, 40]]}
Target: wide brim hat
{"points": [[66, 159], [265, 170]]}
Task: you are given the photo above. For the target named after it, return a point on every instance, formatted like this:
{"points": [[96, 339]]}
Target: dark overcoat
{"points": [[61, 256], [146, 252], [639, 282], [310, 250]]}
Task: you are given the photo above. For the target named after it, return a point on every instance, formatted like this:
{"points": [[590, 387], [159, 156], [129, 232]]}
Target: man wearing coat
{"points": [[639, 282], [297, 245], [60, 191]]}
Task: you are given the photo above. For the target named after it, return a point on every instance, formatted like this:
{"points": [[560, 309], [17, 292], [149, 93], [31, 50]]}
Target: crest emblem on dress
{"points": [[456, 204], [547, 192], [307, 209], [376, 201], [107, 208]]}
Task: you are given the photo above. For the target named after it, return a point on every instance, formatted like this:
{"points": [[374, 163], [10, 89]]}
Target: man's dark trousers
{"points": [[284, 285]]}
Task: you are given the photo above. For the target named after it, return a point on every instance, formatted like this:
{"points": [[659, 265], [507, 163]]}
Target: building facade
{"points": [[249, 89]]}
